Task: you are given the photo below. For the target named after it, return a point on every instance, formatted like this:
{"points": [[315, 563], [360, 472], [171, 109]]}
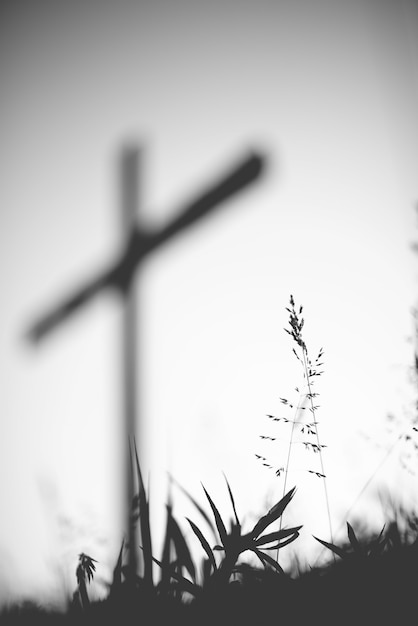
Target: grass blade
{"points": [[117, 572], [353, 540], [186, 584], [293, 533], [232, 501], [204, 543], [275, 512], [181, 547], [218, 520], [281, 544], [166, 553], [144, 523], [265, 558], [195, 504], [338, 551], [378, 545]]}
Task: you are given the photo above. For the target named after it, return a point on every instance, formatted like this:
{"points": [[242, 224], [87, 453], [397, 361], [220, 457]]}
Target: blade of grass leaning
{"points": [[232, 501], [218, 520], [281, 544], [284, 533], [275, 512], [186, 584], [144, 523], [265, 558], [165, 559], [117, 572], [181, 547], [378, 545], [204, 543], [353, 540], [335, 549], [195, 504]]}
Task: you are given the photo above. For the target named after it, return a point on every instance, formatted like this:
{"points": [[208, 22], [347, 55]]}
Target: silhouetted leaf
{"points": [[378, 545], [117, 572], [232, 501], [218, 520], [144, 522], [284, 533], [265, 558], [181, 547], [185, 583], [339, 551], [204, 543], [166, 553], [275, 512], [353, 539], [85, 567], [196, 504]]}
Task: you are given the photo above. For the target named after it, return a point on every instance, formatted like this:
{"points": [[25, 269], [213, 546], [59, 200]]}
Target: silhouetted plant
{"points": [[234, 543], [376, 573], [84, 574], [357, 548], [307, 400], [179, 574]]}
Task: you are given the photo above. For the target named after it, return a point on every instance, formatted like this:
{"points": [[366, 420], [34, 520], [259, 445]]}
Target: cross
{"points": [[138, 244]]}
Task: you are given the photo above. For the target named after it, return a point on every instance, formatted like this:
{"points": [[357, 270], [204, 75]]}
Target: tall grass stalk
{"points": [[310, 372], [306, 396]]}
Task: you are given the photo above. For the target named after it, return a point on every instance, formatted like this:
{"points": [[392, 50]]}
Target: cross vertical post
{"points": [[129, 192], [120, 277]]}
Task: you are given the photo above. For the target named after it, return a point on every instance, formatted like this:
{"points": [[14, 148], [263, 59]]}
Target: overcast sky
{"points": [[327, 92]]}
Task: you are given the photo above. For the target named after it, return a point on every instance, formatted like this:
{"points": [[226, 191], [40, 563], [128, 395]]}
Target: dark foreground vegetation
{"points": [[374, 583], [370, 579]]}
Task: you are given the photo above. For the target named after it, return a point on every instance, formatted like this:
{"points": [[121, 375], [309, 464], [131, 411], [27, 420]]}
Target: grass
{"points": [[306, 403], [373, 581], [370, 578]]}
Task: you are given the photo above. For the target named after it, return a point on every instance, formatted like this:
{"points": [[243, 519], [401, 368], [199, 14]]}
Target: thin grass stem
{"points": [[318, 442], [286, 471]]}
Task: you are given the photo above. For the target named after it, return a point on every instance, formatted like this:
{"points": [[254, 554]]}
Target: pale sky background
{"points": [[328, 91]]}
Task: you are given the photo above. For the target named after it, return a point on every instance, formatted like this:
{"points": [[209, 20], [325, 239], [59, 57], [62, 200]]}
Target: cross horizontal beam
{"points": [[141, 244]]}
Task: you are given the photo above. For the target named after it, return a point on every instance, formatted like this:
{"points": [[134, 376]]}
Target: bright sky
{"points": [[328, 91]]}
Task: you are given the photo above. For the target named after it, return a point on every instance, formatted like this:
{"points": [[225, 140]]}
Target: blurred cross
{"points": [[138, 244]]}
